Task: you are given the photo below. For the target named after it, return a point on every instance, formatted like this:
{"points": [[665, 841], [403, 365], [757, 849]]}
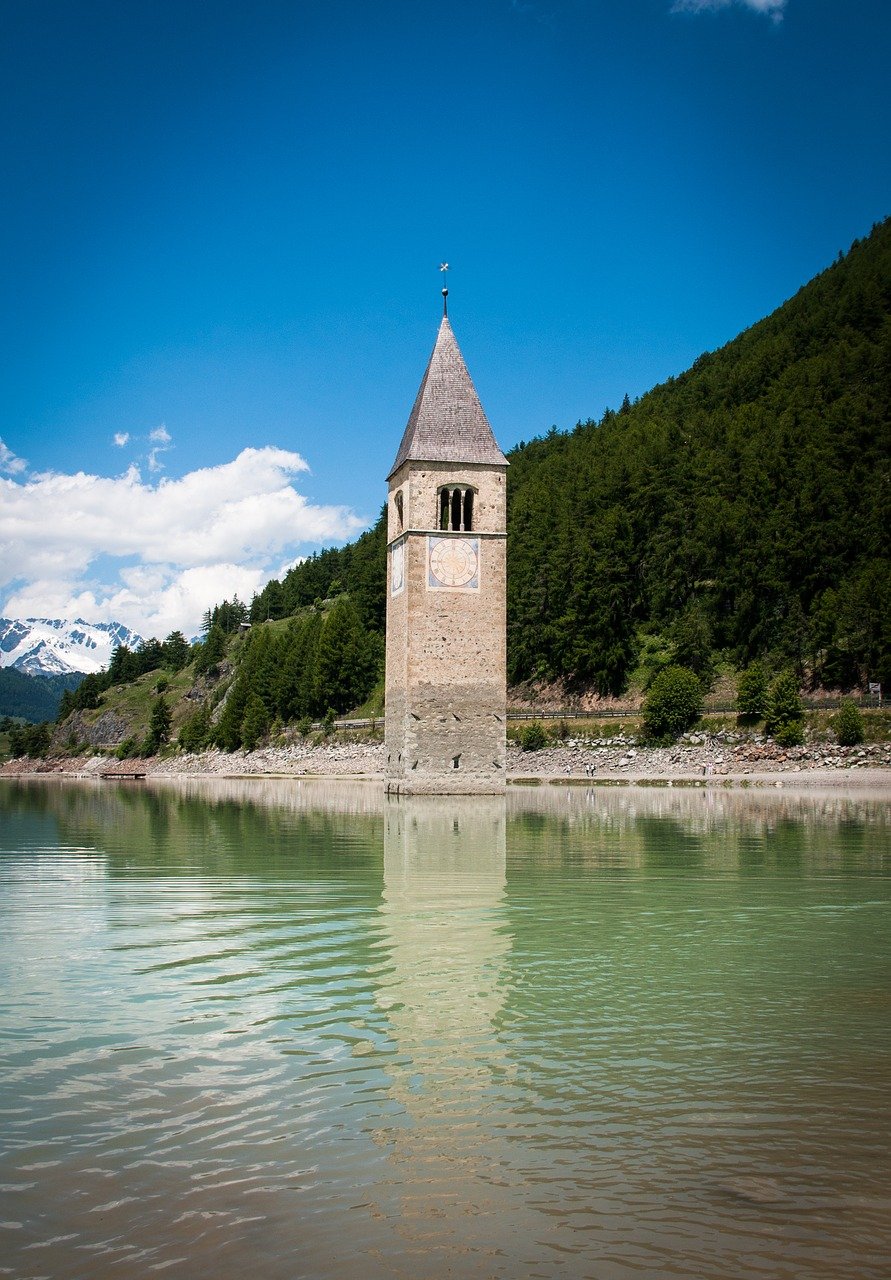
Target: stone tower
{"points": [[446, 575]]}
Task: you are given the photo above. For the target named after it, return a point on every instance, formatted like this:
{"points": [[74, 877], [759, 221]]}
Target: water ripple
{"points": [[281, 1052]]}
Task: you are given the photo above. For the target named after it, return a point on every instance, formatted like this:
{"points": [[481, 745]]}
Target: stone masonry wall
{"points": [[420, 496], [446, 649]]}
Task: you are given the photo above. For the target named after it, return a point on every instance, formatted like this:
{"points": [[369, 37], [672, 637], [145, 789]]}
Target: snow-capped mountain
{"points": [[53, 646]]}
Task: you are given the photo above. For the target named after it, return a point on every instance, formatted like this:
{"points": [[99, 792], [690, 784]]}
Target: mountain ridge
{"points": [[61, 646]]}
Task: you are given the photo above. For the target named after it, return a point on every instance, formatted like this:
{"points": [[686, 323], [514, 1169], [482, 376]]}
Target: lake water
{"points": [[292, 1029]]}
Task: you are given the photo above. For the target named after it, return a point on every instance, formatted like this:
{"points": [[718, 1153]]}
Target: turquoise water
{"points": [[293, 1029]]}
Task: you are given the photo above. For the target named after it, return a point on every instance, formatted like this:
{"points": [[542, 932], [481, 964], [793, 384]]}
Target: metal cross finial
{"points": [[444, 266]]}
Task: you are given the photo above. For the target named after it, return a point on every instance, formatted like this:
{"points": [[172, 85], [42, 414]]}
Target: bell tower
{"points": [[446, 682]]}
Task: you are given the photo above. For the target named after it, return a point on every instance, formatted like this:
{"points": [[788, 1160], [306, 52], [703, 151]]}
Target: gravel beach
{"points": [[719, 759]]}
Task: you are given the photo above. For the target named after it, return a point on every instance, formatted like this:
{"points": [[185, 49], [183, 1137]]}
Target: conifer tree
{"points": [[176, 651], [159, 726], [255, 723]]}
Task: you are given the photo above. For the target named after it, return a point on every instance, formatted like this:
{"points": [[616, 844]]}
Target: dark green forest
{"points": [[33, 698], [319, 663], [739, 511], [741, 508], [359, 568]]}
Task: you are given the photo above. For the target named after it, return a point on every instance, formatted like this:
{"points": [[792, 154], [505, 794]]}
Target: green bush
{"points": [[31, 740], [304, 726], [789, 734], [673, 704], [559, 731], [532, 736], [848, 724], [751, 691], [784, 710]]}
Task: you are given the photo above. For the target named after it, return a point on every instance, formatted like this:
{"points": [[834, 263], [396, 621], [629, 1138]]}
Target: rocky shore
{"points": [[722, 758]]}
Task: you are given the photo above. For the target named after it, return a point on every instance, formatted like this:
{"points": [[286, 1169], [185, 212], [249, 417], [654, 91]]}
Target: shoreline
{"points": [[710, 762]]}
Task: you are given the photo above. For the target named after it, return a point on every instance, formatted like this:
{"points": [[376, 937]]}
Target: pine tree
{"points": [[255, 723], [211, 653], [176, 651], [336, 675], [195, 733], [785, 712], [159, 726]]}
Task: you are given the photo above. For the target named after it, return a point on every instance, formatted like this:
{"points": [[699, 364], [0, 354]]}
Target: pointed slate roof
{"points": [[447, 423]]}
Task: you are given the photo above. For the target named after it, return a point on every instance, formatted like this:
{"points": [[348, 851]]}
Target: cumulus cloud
{"points": [[183, 544], [120, 438], [772, 8], [167, 600], [9, 463]]}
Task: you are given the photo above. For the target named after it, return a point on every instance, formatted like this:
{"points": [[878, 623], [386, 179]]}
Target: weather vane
{"points": [[444, 266]]}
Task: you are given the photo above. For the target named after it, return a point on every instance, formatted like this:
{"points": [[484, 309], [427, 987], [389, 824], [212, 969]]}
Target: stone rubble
{"points": [[698, 757], [700, 754]]}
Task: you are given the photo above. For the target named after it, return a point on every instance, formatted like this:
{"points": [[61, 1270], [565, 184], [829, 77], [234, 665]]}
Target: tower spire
{"points": [[444, 266], [447, 422]]}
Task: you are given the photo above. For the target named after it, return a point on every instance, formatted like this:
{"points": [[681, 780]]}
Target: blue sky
{"points": [[223, 225]]}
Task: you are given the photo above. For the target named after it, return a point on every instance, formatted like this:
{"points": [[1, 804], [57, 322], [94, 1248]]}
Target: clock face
{"points": [[397, 568], [454, 563]]}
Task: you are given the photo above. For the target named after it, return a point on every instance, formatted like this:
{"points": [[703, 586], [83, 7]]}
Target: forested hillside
{"points": [[33, 698], [740, 509], [743, 506], [359, 568]]}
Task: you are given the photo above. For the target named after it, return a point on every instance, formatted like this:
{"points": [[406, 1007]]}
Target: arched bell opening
{"points": [[456, 508]]}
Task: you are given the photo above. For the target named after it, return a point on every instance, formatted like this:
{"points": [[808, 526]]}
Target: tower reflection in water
{"points": [[445, 937]]}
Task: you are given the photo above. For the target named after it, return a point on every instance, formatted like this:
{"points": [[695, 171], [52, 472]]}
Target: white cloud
{"points": [[165, 600], [161, 439], [9, 463], [121, 438], [772, 8], [195, 540]]}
